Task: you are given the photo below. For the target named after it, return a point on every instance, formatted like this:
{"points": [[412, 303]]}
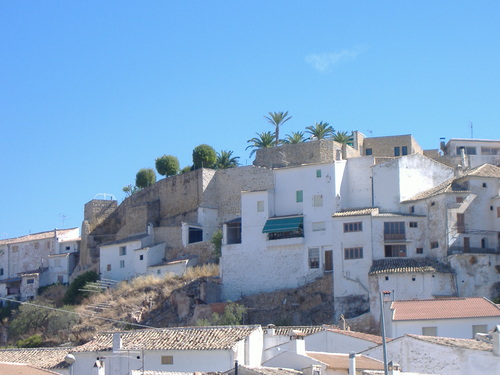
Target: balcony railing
{"points": [[394, 236], [472, 250]]}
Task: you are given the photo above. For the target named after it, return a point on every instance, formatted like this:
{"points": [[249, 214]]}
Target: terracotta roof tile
{"points": [[341, 361], [449, 186], [359, 335], [306, 330], [357, 212], [444, 308], [484, 170], [22, 369], [182, 338], [460, 343], [408, 265], [270, 370], [46, 358], [34, 236]]}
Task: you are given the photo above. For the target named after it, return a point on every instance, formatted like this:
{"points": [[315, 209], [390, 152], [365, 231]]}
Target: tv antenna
{"points": [[471, 130], [63, 218]]}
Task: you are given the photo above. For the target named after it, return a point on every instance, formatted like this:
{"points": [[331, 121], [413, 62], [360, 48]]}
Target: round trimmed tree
{"points": [[145, 177], [167, 165], [204, 156]]}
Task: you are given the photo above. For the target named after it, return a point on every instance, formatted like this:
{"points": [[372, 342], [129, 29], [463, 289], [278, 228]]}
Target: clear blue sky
{"points": [[92, 91]]}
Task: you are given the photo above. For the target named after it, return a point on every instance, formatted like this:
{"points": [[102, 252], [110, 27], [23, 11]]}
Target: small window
{"points": [[459, 199], [260, 206], [404, 150], [498, 211], [313, 257], [15, 249], [37, 245], [413, 224], [353, 253], [433, 203], [318, 173], [387, 278], [412, 209], [60, 279], [47, 245], [158, 272], [318, 226], [368, 152], [68, 248], [299, 196], [413, 278], [434, 244], [317, 200], [167, 360], [30, 281], [195, 234], [420, 250], [122, 264], [141, 257], [353, 227], [396, 151], [108, 267], [1, 271], [123, 250], [429, 331], [484, 184]]}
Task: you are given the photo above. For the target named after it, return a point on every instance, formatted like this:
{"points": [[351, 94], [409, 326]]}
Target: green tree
{"points": [[204, 156], [129, 190], [34, 341], [277, 119], [320, 130], [145, 177], [343, 137], [295, 137], [167, 165], [30, 319], [186, 169], [217, 242], [225, 159], [232, 316], [74, 295], [263, 140]]}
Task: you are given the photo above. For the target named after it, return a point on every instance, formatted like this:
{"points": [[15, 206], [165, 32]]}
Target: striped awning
{"points": [[283, 224]]}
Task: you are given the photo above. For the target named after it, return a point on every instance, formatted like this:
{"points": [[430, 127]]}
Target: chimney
{"points": [[297, 343], [352, 363], [496, 340], [117, 341], [394, 368]]}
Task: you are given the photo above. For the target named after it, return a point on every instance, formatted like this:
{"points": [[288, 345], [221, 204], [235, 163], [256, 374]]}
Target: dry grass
{"points": [[202, 271]]}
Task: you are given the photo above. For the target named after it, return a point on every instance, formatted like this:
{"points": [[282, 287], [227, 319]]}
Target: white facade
{"points": [[476, 152]]}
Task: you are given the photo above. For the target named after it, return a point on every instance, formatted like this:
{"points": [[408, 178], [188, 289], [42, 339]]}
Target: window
{"points": [[15, 249], [498, 211], [460, 223], [413, 224], [368, 152], [123, 250], [314, 257], [459, 199], [122, 264], [167, 360], [394, 230], [318, 226], [467, 150], [479, 328], [260, 206], [429, 331], [433, 203], [195, 234], [318, 173], [353, 253], [68, 248], [299, 196], [484, 243], [36, 245], [317, 200], [141, 257], [412, 209], [420, 250], [396, 151], [404, 150], [30, 281], [490, 151], [47, 245], [60, 279], [353, 227], [393, 251], [434, 245], [158, 272], [484, 184], [1, 271], [108, 267]]}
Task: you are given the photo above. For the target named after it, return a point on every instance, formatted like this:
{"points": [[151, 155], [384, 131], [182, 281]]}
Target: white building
{"points": [[36, 260], [185, 349], [470, 152]]}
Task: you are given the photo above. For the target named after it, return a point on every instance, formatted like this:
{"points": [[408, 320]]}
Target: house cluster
{"points": [[256, 350]]}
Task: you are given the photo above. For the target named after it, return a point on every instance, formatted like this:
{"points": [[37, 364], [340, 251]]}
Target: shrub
{"points": [[73, 295], [34, 341]]}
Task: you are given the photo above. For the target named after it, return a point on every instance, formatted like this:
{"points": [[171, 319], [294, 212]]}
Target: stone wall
{"points": [[384, 146]]}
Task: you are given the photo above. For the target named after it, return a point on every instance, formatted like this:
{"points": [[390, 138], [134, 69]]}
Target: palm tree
{"points": [[225, 159], [278, 119], [343, 137], [263, 140], [320, 130], [296, 137]]}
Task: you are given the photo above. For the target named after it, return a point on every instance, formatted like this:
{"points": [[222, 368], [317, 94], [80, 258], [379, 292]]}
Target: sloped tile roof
{"points": [[182, 338], [35, 236], [444, 308], [357, 212], [341, 361], [460, 343], [408, 265], [358, 335], [449, 186], [484, 170], [22, 369], [269, 370], [46, 358], [306, 330]]}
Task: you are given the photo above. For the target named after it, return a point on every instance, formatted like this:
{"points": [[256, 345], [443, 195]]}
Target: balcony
{"points": [[453, 250], [394, 236]]}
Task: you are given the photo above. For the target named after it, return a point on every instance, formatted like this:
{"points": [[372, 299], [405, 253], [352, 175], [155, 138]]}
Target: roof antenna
{"points": [[471, 130]]}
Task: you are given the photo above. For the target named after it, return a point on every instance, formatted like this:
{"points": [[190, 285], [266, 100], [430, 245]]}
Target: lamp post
{"points": [[382, 322]]}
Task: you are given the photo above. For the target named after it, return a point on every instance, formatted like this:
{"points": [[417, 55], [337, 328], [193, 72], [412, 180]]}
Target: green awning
{"points": [[283, 224]]}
